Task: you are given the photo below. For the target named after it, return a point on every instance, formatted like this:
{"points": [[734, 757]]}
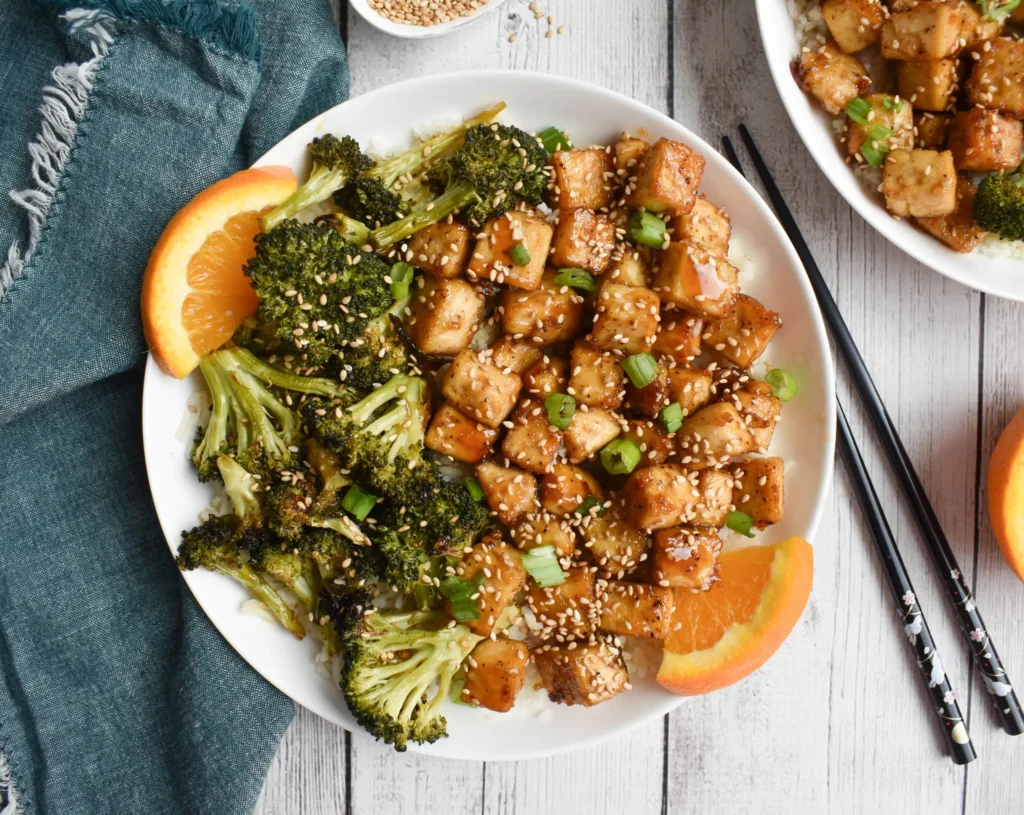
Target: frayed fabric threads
{"points": [[8, 797]]}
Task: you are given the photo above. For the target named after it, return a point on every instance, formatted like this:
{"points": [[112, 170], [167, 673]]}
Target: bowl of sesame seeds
{"points": [[419, 19]]}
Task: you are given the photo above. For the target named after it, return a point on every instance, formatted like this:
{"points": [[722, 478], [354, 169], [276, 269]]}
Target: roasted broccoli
{"points": [[375, 357], [999, 205], [370, 202]]}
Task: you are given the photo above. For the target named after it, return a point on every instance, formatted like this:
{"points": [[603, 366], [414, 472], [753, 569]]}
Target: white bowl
{"points": [[1000, 276], [419, 32], [589, 114]]}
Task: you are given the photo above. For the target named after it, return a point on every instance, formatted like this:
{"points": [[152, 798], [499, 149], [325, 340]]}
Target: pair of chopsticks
{"points": [[972, 627]]}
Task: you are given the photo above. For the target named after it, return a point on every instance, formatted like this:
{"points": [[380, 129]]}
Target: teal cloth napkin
{"points": [[117, 694]]}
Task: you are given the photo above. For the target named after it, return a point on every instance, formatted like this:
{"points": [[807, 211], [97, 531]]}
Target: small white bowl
{"points": [[420, 32]]}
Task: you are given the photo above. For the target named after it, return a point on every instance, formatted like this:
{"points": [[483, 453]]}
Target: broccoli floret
{"points": [[335, 161], [391, 664], [367, 200], [999, 205], [378, 355]]}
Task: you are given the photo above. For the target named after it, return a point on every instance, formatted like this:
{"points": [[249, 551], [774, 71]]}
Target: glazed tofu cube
{"points": [[667, 178], [497, 591], [480, 389], [495, 673], [626, 319], [690, 387], [441, 249], [629, 266], [695, 281], [759, 492], [491, 259], [652, 440], [614, 543], [511, 493], [930, 30], [545, 529], [628, 152], [566, 487], [678, 336], [516, 355], [589, 431], [886, 111], [997, 79], [567, 610], [597, 377], [581, 673], [532, 443], [714, 488], [831, 76], [452, 433], [636, 610], [928, 84], [584, 178], [445, 314], [932, 130], [650, 399], [658, 497], [544, 316], [760, 409], [705, 226], [686, 557], [854, 24], [921, 183], [583, 240], [959, 231], [547, 375], [713, 435], [983, 141], [742, 336]]}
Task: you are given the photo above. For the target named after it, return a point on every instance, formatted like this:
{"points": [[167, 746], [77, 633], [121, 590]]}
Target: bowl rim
{"points": [[416, 32]]}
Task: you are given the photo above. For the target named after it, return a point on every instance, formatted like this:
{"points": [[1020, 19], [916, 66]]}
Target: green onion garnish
{"points": [[476, 492], [576, 279], [858, 110], [358, 503], [588, 504], [995, 11], [646, 228], [460, 593], [740, 522], [880, 133], [892, 104], [620, 456], [642, 369], [672, 417], [561, 409], [542, 565], [401, 279], [519, 255], [783, 385], [554, 140], [874, 156], [455, 691]]}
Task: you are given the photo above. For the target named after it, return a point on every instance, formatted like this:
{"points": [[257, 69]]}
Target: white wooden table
{"points": [[836, 722]]}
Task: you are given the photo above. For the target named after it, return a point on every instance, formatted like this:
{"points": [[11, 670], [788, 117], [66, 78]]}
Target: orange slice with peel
{"points": [[194, 294], [1006, 493], [722, 635]]}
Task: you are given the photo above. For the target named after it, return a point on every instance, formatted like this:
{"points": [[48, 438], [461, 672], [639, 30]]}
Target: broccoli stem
{"points": [[234, 359], [256, 401], [355, 232], [263, 592], [457, 196], [238, 483], [343, 526], [322, 184], [215, 439]]}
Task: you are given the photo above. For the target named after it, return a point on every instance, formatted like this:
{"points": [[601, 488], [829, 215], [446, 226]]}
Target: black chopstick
{"points": [[983, 650]]}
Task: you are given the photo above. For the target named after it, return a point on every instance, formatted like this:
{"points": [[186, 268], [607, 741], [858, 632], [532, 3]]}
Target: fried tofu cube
{"points": [[532, 442], [713, 435], [742, 336], [516, 355], [928, 84], [583, 240], [686, 557], [760, 409], [678, 336], [695, 281], [650, 399], [565, 488], [547, 375], [597, 377], [636, 610], [581, 673], [714, 488], [959, 231], [511, 493], [588, 432], [705, 226], [651, 439], [441, 249], [932, 130], [921, 183], [628, 152], [452, 433], [930, 30], [491, 259], [983, 141], [760, 489], [831, 76], [615, 544], [667, 178], [658, 497], [690, 387], [567, 610], [445, 316], [584, 178], [499, 589], [480, 389], [629, 266], [545, 529], [899, 119], [495, 673], [626, 319], [544, 316], [854, 24], [997, 79]]}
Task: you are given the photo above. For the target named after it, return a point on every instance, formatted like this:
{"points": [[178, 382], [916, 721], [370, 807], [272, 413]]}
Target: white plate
{"points": [[805, 437], [1003, 277], [419, 32]]}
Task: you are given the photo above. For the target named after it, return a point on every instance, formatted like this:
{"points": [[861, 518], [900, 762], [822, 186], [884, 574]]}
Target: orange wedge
{"points": [[722, 635], [194, 294], [1006, 493]]}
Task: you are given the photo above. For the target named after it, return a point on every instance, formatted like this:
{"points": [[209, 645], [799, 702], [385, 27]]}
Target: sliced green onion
{"points": [[900, 103], [576, 279], [642, 369], [554, 140], [542, 565], [519, 255], [401, 279], [358, 502], [880, 133], [783, 385], [995, 11], [455, 691], [892, 104], [561, 409], [740, 522], [672, 417], [460, 593], [875, 156], [620, 456], [476, 492], [588, 504], [646, 228], [858, 110]]}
